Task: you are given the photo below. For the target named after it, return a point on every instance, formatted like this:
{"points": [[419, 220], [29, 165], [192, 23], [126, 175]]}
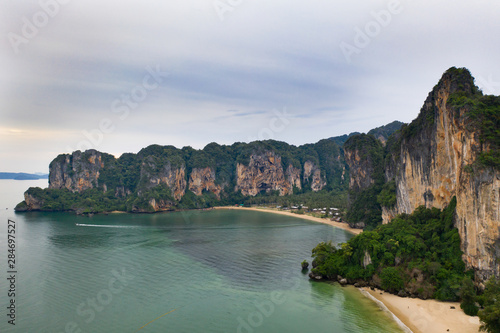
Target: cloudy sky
{"points": [[120, 75]]}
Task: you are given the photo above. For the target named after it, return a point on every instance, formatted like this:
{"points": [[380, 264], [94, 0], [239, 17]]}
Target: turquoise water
{"points": [[200, 271]]}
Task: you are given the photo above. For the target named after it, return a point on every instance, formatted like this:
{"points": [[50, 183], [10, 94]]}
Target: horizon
{"points": [[180, 148]]}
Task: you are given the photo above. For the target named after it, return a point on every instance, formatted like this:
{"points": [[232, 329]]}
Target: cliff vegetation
{"points": [[415, 255]]}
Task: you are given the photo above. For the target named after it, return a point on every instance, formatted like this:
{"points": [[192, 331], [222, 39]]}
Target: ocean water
{"points": [[197, 271]]}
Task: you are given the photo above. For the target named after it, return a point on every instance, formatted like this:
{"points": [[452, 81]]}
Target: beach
{"points": [[429, 316], [340, 225], [419, 316]]}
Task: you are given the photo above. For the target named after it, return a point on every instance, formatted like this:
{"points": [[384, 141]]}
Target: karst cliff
{"points": [[449, 150], [162, 178]]}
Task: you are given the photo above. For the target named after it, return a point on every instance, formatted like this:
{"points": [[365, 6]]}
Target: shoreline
{"points": [[339, 225], [425, 316], [411, 314]]}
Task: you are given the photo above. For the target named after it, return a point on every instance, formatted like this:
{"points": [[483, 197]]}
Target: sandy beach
{"points": [[343, 226], [427, 316], [419, 316]]}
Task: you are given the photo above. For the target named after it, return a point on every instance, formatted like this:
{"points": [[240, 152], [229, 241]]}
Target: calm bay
{"points": [[194, 271]]}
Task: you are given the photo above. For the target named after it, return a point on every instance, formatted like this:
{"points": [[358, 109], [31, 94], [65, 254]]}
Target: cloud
{"points": [[226, 77]]}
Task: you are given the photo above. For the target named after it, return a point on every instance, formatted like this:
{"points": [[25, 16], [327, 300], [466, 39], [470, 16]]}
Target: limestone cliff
{"points": [[436, 159], [76, 172], [154, 174], [158, 177], [203, 179], [264, 173], [312, 176], [363, 155]]}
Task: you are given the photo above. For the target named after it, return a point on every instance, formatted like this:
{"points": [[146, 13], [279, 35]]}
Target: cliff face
{"points": [[158, 177], [203, 179], [154, 174], [76, 172], [32, 202], [312, 175], [263, 173], [363, 155], [360, 170], [436, 161]]}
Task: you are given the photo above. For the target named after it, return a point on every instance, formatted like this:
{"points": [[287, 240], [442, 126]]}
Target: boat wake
{"points": [[107, 226]]}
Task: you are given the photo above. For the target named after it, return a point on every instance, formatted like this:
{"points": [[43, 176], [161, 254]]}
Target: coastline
{"points": [[425, 316], [412, 314], [339, 225]]}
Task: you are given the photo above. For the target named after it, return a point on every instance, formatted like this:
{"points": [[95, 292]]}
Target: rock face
{"points": [[435, 163], [263, 173], [361, 170], [32, 202], [363, 155], [316, 181], [76, 172], [154, 174], [203, 180]]}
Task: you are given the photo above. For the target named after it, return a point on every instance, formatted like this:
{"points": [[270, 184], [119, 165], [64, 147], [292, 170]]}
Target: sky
{"points": [[117, 76]]}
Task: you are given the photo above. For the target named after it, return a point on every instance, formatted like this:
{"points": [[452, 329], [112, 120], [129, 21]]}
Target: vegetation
{"points": [[387, 196], [134, 182], [417, 254], [490, 314], [364, 206], [386, 131], [481, 113]]}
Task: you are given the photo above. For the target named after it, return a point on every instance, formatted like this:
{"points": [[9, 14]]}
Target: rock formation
{"points": [[203, 180], [436, 161]]}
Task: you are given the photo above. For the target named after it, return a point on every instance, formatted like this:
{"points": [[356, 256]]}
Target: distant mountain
{"points": [[340, 140], [383, 133], [22, 176]]}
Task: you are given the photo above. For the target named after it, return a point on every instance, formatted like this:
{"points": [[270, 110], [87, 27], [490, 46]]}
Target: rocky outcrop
{"points": [[293, 177], [436, 161], [32, 202], [360, 171], [363, 155], [154, 174], [263, 173], [203, 180], [312, 176], [388, 214], [76, 172]]}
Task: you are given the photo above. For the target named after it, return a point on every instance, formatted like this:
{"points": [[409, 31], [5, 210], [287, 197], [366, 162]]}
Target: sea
{"points": [[193, 271]]}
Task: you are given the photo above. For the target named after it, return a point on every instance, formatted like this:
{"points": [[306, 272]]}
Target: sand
{"points": [[418, 316], [427, 316], [340, 225]]}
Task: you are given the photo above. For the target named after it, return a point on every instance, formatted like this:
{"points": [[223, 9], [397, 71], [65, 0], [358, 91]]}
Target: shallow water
{"points": [[198, 271]]}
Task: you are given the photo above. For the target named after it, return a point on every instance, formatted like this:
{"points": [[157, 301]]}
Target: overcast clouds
{"points": [[268, 69]]}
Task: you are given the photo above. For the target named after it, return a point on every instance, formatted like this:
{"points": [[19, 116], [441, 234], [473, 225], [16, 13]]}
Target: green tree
{"points": [[490, 314], [468, 296], [391, 279]]}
